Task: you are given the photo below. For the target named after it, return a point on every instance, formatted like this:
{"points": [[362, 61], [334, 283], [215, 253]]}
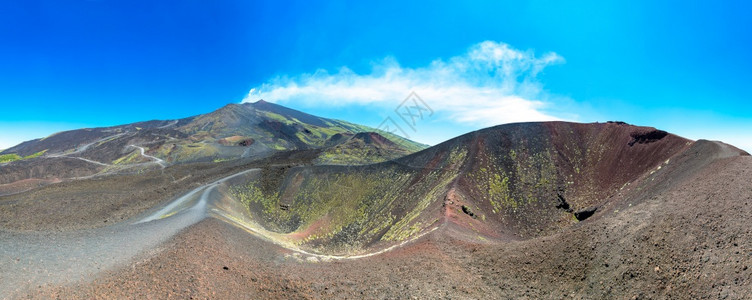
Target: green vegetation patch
{"points": [[277, 117], [194, 151], [513, 181], [6, 158], [9, 157], [134, 157], [35, 155], [498, 193], [409, 145], [356, 155]]}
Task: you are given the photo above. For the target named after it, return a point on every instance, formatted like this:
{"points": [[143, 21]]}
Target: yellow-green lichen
{"points": [[5, 158], [498, 193], [9, 157]]}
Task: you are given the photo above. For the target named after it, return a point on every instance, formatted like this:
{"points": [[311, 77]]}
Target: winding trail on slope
{"points": [[173, 123], [84, 148], [156, 160], [34, 259], [81, 158], [107, 138]]}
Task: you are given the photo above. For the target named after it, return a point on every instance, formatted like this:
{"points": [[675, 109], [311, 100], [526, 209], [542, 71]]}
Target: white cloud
{"points": [[492, 83]]}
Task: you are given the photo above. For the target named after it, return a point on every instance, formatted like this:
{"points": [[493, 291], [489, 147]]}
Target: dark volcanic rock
{"points": [[561, 203], [467, 211], [583, 214], [645, 137]]}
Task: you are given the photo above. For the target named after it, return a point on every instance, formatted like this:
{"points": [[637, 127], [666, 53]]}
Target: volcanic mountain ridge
{"points": [[526, 210], [247, 131]]}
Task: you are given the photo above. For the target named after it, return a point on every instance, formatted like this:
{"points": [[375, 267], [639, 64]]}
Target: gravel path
{"points": [[30, 260], [156, 160]]}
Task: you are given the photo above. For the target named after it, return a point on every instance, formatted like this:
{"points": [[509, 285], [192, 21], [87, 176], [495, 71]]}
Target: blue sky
{"points": [[681, 66]]}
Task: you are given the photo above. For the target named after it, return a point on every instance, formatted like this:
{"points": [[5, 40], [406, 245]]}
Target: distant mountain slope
{"points": [[249, 130], [368, 147]]}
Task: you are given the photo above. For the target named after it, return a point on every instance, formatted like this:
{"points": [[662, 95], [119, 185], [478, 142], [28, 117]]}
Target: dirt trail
{"points": [[34, 259], [156, 160], [86, 147]]}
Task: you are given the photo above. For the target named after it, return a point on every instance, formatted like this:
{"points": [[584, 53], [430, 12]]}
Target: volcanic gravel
{"points": [[692, 241]]}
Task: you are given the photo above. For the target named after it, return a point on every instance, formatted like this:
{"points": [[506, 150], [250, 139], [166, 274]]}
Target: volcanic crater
{"points": [[511, 182]]}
